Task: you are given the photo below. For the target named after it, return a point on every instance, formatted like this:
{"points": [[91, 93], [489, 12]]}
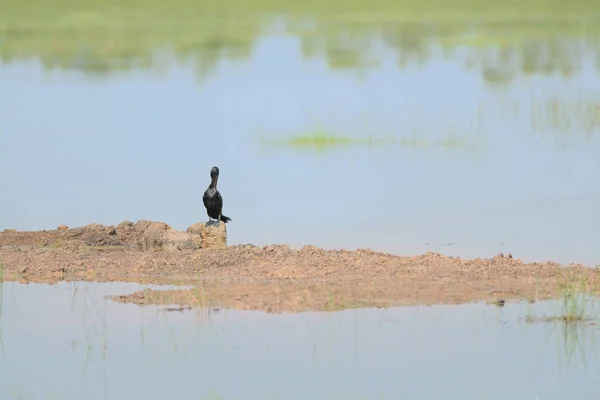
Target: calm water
{"points": [[62, 343], [467, 139]]}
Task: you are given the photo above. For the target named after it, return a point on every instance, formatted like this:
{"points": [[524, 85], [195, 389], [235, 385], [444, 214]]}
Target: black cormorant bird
{"points": [[213, 201]]}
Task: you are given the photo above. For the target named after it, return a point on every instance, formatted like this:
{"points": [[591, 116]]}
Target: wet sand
{"points": [[273, 278]]}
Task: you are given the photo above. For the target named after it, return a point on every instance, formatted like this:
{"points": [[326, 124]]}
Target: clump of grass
{"points": [[576, 308], [577, 303]]}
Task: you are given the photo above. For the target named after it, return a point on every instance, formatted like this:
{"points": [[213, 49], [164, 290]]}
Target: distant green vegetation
{"points": [[102, 36], [322, 141], [318, 140]]}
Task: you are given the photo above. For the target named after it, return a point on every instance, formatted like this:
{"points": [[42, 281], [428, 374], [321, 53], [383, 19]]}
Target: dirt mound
{"points": [[142, 235], [272, 277]]}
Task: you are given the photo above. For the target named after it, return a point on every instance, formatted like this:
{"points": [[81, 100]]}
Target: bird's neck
{"points": [[213, 182]]}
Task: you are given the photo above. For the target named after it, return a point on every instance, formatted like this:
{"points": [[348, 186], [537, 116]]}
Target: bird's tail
{"points": [[225, 218]]}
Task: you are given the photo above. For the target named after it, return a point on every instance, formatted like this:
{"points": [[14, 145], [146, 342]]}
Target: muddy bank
{"points": [[273, 278]]}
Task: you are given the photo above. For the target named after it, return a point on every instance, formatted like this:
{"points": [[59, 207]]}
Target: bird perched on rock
{"points": [[213, 201]]}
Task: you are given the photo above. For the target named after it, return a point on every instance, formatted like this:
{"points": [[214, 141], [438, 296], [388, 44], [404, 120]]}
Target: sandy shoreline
{"points": [[272, 278]]}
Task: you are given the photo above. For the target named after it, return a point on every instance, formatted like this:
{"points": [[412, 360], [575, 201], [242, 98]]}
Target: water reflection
{"points": [[67, 346], [537, 38], [580, 346]]}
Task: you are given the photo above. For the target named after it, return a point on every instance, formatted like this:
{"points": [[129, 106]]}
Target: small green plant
{"points": [[576, 302], [578, 306], [331, 304], [571, 321]]}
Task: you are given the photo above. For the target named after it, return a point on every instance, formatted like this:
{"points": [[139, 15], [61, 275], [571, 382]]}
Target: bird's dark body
{"points": [[212, 199], [214, 205]]}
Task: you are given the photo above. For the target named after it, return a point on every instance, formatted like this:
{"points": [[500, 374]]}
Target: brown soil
{"points": [[273, 278]]}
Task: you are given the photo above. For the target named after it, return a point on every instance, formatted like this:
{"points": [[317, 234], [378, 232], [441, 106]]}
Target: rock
{"points": [[155, 229], [151, 237], [211, 236], [158, 236], [214, 237], [98, 235], [94, 227], [62, 227], [144, 225], [175, 240], [309, 248], [196, 228], [498, 302], [75, 232]]}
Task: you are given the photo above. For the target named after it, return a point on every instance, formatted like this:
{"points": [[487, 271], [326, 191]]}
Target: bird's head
{"points": [[214, 172]]}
